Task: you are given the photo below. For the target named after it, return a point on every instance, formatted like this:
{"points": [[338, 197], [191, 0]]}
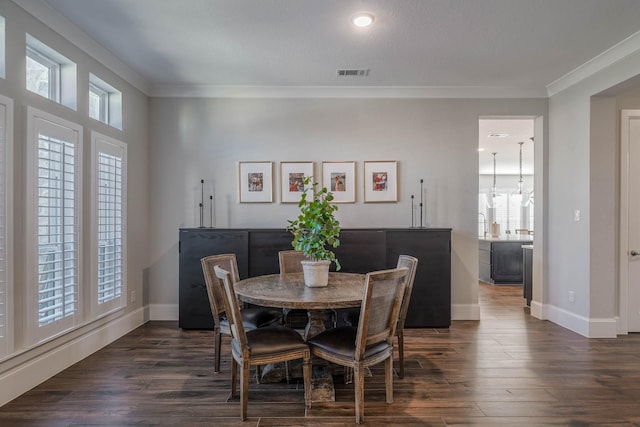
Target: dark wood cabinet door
{"points": [[264, 246], [195, 244], [506, 262], [430, 304], [362, 251], [527, 274]]}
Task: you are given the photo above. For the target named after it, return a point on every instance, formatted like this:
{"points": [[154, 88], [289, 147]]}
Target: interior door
{"points": [[630, 186]]}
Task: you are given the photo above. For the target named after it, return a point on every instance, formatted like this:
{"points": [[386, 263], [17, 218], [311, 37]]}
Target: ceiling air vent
{"points": [[355, 72]]}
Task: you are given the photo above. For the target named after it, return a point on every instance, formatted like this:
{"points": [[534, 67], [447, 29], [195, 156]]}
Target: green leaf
{"points": [[316, 228]]}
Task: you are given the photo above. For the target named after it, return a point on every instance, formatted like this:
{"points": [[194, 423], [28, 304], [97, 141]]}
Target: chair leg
{"points": [[234, 376], [306, 375], [401, 352], [244, 389], [388, 378], [287, 374], [358, 375], [216, 351]]}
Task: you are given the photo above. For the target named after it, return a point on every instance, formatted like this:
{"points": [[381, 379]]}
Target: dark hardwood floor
{"points": [[506, 370]]}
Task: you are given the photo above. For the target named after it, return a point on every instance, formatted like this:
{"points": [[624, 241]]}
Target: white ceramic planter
{"points": [[316, 273]]}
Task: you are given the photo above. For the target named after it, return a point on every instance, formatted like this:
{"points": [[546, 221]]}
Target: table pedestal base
{"points": [[322, 389], [315, 325], [275, 372], [322, 385]]}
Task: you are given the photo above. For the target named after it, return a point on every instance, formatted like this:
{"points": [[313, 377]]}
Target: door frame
{"points": [[538, 307], [623, 287]]}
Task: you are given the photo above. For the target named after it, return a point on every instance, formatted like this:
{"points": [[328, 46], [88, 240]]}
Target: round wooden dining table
{"points": [[345, 290]]}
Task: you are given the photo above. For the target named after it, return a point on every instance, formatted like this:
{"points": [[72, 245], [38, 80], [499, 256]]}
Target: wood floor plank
{"points": [[508, 369]]}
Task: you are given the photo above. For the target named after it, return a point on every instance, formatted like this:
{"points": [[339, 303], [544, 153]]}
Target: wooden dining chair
{"points": [[260, 346], [351, 316], [371, 342], [290, 262], [252, 318], [411, 263]]}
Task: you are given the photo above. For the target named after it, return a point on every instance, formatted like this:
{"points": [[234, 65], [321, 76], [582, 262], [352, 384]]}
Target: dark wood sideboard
{"points": [[361, 251]]}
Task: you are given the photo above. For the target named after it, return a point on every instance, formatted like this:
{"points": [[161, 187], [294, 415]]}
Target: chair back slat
{"points": [[383, 292], [412, 264], [233, 311], [290, 261], [214, 286]]}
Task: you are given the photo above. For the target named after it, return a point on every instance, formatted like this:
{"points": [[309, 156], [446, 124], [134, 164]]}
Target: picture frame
{"points": [[340, 179], [381, 181], [255, 182], [291, 176]]}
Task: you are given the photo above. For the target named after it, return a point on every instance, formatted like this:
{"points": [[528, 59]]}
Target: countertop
{"points": [[509, 238]]}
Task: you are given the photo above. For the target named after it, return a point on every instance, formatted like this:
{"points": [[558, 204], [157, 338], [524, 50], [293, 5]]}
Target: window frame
{"points": [[54, 72], [40, 122], [104, 144], [111, 103], [63, 88], [6, 297], [103, 95], [3, 48]]}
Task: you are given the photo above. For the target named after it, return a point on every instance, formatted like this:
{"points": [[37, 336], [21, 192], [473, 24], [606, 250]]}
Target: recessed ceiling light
{"points": [[498, 135], [362, 19], [480, 149]]}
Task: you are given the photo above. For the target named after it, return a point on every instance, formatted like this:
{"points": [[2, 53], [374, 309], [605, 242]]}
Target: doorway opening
{"points": [[505, 202]]}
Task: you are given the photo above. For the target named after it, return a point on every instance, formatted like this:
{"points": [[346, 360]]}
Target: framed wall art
{"points": [[380, 181], [291, 176], [255, 180], [340, 179]]}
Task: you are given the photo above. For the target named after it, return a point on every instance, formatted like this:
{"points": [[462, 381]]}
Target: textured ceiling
{"points": [[452, 43], [496, 45], [506, 147]]}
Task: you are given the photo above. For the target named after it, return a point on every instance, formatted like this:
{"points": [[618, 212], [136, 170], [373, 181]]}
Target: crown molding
{"points": [[50, 17], [206, 91], [609, 57]]}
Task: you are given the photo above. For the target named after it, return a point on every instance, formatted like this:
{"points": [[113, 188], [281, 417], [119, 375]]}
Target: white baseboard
{"points": [[538, 310], [603, 328], [29, 374], [465, 311], [585, 326], [163, 311]]}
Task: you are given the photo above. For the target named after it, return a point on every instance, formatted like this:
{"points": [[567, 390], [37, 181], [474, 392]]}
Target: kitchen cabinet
{"points": [[527, 273], [500, 260]]}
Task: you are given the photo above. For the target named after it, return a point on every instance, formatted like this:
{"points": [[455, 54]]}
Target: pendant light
{"points": [[520, 181], [494, 192]]}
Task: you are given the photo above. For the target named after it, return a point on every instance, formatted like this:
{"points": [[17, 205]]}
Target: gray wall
{"points": [[134, 133], [584, 174], [432, 139]]}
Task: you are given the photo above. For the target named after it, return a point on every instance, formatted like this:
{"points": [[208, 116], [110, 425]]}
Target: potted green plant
{"points": [[315, 232]]}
